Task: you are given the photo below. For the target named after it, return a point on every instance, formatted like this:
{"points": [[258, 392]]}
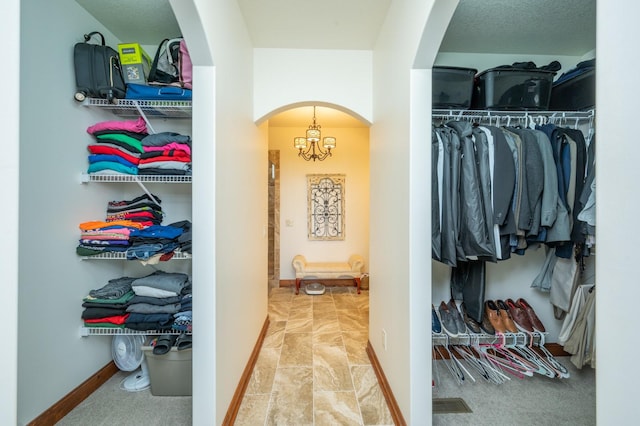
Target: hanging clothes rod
{"points": [[504, 117]]}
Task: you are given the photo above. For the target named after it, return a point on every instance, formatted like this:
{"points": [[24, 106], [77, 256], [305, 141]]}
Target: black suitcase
{"points": [[98, 71]]}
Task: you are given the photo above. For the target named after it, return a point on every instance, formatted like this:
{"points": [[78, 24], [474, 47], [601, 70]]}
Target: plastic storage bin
{"points": [[170, 374], [452, 87], [513, 89], [574, 94]]}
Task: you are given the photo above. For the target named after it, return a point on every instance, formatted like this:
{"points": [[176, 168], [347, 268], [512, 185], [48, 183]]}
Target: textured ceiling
{"points": [[548, 27], [147, 22]]}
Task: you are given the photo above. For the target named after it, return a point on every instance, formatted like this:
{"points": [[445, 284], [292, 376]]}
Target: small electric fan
{"points": [[126, 351]]}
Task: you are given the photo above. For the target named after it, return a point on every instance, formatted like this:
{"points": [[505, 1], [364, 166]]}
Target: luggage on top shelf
{"points": [[97, 70], [575, 90]]}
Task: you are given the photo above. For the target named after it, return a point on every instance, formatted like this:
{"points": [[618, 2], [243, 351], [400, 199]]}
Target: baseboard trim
{"points": [[70, 401], [396, 414], [329, 282], [236, 401]]}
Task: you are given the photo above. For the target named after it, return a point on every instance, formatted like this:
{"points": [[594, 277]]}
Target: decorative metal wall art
{"points": [[325, 209]]}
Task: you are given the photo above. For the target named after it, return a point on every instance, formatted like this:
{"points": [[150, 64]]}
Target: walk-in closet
{"points": [[543, 269]]}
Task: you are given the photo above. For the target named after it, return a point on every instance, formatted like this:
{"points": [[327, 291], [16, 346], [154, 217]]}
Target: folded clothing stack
{"points": [[107, 306], [165, 153], [116, 148], [157, 298], [98, 237]]}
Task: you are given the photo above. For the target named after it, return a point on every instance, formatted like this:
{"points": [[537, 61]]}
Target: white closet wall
{"points": [[53, 202]]}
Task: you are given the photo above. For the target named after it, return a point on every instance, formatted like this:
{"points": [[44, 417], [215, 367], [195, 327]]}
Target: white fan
{"points": [[126, 351]]}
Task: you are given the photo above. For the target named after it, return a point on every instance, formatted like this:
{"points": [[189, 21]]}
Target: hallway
{"points": [[313, 368]]}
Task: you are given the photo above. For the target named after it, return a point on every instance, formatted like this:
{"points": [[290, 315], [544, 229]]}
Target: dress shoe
{"points": [[435, 321], [486, 323], [519, 316], [446, 320], [457, 317], [471, 324], [533, 318], [493, 314], [506, 317]]}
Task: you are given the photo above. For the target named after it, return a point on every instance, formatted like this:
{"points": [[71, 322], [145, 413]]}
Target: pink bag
{"points": [[185, 66]]}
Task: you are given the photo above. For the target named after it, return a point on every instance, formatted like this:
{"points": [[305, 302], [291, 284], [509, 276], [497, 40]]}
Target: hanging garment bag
{"points": [[98, 71]]}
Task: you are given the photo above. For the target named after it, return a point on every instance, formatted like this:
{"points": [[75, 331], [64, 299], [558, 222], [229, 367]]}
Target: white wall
{"points": [[399, 259], [9, 173], [235, 160], [617, 207], [283, 77], [52, 279], [351, 158]]}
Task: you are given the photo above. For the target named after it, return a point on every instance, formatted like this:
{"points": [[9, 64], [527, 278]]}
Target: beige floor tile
{"points": [[275, 334], [253, 410], [355, 343], [296, 350], [264, 371], [326, 325], [373, 406], [304, 325], [279, 311], [331, 369], [332, 338], [292, 398], [345, 301], [352, 320], [336, 408]]}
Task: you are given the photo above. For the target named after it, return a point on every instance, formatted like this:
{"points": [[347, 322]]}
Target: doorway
{"points": [[273, 251]]}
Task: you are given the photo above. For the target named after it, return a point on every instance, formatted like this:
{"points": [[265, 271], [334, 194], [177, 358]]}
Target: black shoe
{"points": [[471, 324], [457, 316], [447, 321]]}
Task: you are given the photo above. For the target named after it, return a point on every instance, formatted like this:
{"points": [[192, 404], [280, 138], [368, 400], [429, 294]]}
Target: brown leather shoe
{"points": [[533, 318], [519, 316], [486, 323], [506, 317], [492, 312]]}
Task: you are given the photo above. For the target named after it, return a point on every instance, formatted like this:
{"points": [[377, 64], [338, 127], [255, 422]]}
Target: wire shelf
{"points": [[502, 117], [88, 177], [132, 107], [122, 256], [521, 338], [107, 331]]}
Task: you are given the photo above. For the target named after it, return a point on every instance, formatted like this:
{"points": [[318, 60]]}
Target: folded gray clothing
{"points": [[163, 138], [155, 300], [147, 308], [114, 289], [168, 281]]}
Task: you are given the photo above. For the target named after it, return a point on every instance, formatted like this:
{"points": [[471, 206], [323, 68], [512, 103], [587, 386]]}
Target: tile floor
{"points": [[313, 368]]}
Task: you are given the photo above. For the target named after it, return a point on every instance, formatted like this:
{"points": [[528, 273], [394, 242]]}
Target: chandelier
{"points": [[309, 146]]}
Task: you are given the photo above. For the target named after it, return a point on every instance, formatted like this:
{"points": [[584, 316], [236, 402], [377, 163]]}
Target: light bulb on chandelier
{"points": [[309, 147]]}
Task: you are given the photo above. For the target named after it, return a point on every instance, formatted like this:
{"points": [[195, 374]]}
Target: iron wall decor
{"points": [[325, 206]]}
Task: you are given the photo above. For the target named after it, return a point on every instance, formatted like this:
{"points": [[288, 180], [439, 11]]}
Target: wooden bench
{"points": [[352, 268]]}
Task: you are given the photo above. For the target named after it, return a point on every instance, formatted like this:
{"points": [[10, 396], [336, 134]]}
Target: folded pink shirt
{"points": [[134, 126]]}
